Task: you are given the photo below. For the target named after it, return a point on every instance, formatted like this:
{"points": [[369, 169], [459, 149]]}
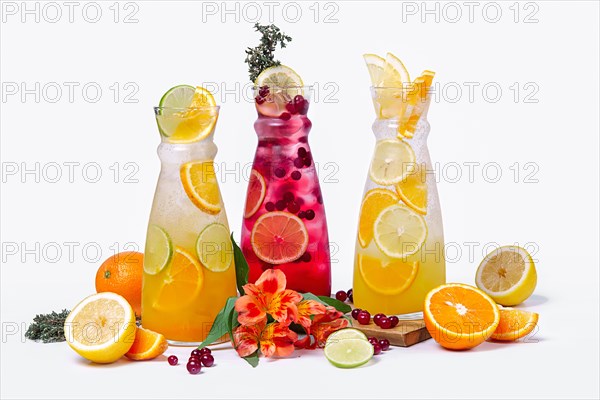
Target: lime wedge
{"points": [[214, 248], [349, 353], [159, 250], [347, 333], [180, 96]]}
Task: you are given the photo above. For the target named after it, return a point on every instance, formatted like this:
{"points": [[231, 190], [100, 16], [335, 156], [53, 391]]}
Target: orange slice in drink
{"points": [[182, 281], [515, 324], [279, 237], [256, 193], [460, 316], [374, 202], [200, 184], [413, 190], [392, 278], [416, 104]]}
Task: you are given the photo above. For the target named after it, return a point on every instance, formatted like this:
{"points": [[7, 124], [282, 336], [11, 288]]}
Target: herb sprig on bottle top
{"points": [[262, 56]]}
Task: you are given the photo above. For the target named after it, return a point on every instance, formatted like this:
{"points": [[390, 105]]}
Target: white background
{"points": [[553, 59]]}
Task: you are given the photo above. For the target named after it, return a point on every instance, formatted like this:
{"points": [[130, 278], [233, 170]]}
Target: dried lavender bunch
{"points": [[261, 57]]}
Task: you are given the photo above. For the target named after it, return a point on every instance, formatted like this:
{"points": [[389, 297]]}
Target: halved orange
{"points": [[200, 184], [374, 202], [391, 278], [147, 345], [413, 190], [515, 324], [279, 237], [256, 193], [182, 281], [460, 316]]}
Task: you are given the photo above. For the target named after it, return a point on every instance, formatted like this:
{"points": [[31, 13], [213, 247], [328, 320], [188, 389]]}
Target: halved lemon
{"points": [[200, 184], [214, 248], [399, 231], [101, 327], [182, 281], [507, 275], [515, 324], [413, 190], [159, 250], [374, 202], [257, 188], [460, 316], [393, 161], [279, 237], [187, 114], [391, 278]]}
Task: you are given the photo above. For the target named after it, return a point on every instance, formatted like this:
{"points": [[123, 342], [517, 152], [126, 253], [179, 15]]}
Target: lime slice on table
{"points": [[349, 353], [347, 333], [214, 248], [187, 114], [159, 250]]}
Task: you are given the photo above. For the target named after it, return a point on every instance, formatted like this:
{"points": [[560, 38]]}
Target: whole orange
{"points": [[122, 274]]}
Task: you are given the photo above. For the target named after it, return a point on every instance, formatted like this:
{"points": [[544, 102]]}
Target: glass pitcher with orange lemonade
{"points": [[188, 266], [400, 242]]}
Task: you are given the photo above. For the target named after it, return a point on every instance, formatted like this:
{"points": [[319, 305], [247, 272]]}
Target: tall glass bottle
{"points": [[284, 223], [188, 263], [400, 241]]}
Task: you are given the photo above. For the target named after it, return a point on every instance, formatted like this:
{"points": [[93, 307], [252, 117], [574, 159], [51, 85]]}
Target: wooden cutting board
{"points": [[405, 334]]}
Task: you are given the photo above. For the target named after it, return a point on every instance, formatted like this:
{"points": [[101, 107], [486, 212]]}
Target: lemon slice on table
{"points": [[214, 248], [375, 65], [182, 281], [159, 250], [507, 275], [187, 114], [101, 327], [399, 231], [200, 184], [392, 162]]}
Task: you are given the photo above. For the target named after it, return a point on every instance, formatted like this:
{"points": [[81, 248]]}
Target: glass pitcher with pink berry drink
{"points": [[284, 223]]}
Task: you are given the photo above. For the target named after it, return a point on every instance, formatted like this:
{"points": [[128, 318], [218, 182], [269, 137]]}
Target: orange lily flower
{"points": [[267, 296], [322, 326], [274, 339]]}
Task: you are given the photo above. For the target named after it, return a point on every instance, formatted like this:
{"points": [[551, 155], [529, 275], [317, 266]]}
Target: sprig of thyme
{"points": [[48, 328], [261, 56]]}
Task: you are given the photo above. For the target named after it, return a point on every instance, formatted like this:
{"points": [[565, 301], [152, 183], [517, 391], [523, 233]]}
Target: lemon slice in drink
{"points": [[507, 275], [399, 231], [346, 333], [284, 83], [214, 248], [101, 327], [159, 250], [395, 73], [349, 353], [375, 65], [187, 114], [393, 161]]}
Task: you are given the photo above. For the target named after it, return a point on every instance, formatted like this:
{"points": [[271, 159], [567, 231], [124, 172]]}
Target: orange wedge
{"points": [[182, 281], [147, 345], [374, 202], [413, 190], [279, 237], [515, 324], [257, 189], [460, 317], [392, 278], [416, 104], [200, 184]]}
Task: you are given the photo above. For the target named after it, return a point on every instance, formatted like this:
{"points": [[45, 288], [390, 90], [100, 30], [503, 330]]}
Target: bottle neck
{"points": [[388, 128], [180, 153], [292, 130]]}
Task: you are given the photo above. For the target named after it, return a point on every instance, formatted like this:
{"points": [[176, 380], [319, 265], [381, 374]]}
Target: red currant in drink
{"points": [[284, 223]]}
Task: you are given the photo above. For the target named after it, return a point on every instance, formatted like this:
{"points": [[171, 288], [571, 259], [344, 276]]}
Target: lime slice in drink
{"points": [[343, 334], [214, 248], [349, 353], [187, 114], [159, 250]]}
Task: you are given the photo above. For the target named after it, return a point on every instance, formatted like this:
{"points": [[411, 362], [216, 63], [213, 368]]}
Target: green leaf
{"points": [[329, 301], [221, 324], [241, 267], [233, 323], [252, 359]]}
